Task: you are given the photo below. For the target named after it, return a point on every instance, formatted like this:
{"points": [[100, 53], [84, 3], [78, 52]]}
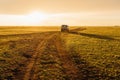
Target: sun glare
{"points": [[36, 17]]}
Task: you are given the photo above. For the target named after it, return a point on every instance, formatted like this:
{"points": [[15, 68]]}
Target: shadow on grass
{"points": [[89, 72], [26, 34], [93, 36]]}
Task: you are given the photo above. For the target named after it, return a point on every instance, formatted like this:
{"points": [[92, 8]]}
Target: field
{"points": [[45, 53]]}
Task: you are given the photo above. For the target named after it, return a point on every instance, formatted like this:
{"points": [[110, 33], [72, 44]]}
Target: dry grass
{"points": [[98, 48], [17, 45], [25, 30], [93, 52]]}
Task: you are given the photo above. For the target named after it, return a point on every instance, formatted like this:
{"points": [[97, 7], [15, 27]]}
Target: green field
{"points": [[45, 53]]}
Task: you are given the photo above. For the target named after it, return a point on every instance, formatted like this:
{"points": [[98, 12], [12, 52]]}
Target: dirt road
{"points": [[51, 61], [32, 61]]}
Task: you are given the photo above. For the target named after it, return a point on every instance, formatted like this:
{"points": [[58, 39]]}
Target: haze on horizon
{"points": [[57, 12]]}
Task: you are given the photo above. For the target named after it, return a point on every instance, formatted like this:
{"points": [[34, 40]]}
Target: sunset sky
{"points": [[57, 12]]}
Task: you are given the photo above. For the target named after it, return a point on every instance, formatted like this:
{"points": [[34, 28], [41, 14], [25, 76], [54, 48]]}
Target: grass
{"points": [[99, 48], [17, 45], [95, 51], [23, 30], [14, 54], [17, 33]]}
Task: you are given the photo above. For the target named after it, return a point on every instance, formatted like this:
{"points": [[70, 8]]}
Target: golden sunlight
{"points": [[36, 17]]}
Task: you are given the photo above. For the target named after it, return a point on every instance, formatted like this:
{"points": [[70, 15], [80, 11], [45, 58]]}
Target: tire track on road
{"points": [[52, 58], [70, 69], [29, 70]]}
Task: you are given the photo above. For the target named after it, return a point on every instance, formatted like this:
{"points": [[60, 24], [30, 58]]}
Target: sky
{"points": [[58, 12]]}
